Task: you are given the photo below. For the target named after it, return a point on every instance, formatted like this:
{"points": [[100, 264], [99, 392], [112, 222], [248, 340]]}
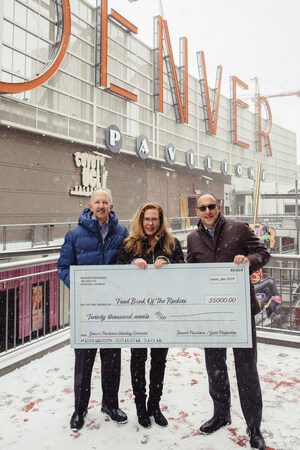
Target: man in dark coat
{"points": [[95, 241], [220, 240]]}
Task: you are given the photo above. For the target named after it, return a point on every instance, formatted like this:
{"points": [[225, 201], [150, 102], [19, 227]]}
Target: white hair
{"points": [[108, 192]]}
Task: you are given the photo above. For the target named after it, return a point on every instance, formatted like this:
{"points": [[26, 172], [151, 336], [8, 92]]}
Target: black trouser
{"points": [[247, 380], [110, 376], [157, 372]]}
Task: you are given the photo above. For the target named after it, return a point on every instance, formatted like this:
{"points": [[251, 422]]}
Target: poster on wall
{"points": [[37, 315]]}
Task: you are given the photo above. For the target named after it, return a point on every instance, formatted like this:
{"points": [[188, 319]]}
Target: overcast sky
{"points": [[249, 38]]}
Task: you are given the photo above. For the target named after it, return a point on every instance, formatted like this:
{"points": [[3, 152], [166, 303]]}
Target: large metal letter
{"points": [[101, 47], [259, 132], [58, 53], [179, 90], [233, 110], [210, 111]]}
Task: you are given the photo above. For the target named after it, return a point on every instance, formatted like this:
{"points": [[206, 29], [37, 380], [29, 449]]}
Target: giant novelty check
{"points": [[178, 305]]}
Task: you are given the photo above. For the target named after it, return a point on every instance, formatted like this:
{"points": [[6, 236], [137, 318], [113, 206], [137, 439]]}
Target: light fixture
{"points": [[168, 168], [207, 178], [101, 154]]}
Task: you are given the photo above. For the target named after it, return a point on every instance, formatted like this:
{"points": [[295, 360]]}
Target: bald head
{"points": [[208, 209]]}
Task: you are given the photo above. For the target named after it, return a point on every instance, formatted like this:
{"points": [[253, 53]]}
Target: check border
{"points": [[124, 306]]}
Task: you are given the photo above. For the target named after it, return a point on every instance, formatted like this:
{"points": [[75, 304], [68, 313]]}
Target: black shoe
{"points": [[77, 420], [256, 438], [115, 414], [143, 416], [214, 424], [157, 414]]}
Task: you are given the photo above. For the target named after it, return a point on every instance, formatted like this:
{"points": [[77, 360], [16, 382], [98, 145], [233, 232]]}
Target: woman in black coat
{"points": [[150, 242]]}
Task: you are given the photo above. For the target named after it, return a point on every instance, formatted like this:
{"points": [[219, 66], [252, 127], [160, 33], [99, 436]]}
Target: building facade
{"points": [[96, 122]]}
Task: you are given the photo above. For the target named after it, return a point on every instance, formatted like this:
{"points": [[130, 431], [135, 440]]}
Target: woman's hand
{"points": [[159, 262], [141, 263]]}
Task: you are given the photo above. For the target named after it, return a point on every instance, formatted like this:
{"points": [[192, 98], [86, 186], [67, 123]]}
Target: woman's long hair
{"points": [[133, 242]]}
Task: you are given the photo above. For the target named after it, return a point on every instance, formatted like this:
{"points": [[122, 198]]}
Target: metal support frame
{"points": [[98, 44], [182, 80], [162, 51], [203, 93], [1, 28], [171, 78], [156, 63], [59, 33], [210, 110], [257, 123], [232, 126], [265, 138], [232, 118]]}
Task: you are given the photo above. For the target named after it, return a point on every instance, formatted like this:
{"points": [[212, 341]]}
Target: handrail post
{"points": [[4, 238]]}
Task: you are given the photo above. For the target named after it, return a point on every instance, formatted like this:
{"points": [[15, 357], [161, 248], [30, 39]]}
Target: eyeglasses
{"points": [[148, 220], [211, 207]]}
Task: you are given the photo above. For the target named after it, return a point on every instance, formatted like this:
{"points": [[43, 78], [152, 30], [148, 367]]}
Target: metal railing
{"points": [[34, 303], [15, 237], [24, 236], [285, 270], [33, 237]]}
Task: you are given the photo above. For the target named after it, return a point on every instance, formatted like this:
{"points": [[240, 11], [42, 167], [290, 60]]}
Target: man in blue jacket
{"points": [[94, 241]]}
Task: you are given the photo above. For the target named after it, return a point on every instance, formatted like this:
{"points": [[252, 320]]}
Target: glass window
{"points": [[80, 130], [48, 8], [75, 7], [52, 32], [87, 33], [44, 97], [44, 50], [7, 58], [44, 28], [85, 70], [29, 115], [8, 32], [72, 44], [145, 99], [19, 38], [20, 14], [62, 125], [32, 21], [145, 115], [65, 63], [63, 103], [73, 65], [8, 9], [30, 96], [18, 63], [83, 11], [89, 15], [74, 86], [74, 107], [34, 4], [42, 119], [30, 67], [62, 81], [6, 77], [31, 44]]}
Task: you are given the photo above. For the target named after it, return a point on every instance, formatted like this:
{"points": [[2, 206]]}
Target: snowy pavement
{"points": [[36, 402]]}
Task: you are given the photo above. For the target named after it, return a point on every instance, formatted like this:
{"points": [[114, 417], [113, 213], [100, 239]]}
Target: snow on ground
{"points": [[36, 402]]}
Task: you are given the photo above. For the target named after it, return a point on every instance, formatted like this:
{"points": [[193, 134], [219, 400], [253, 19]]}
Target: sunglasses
{"points": [[211, 207]]}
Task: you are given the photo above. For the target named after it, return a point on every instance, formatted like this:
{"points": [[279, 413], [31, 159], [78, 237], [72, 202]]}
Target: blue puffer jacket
{"points": [[84, 245]]}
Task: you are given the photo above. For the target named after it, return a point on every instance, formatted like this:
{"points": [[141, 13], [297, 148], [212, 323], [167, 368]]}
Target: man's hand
{"points": [[159, 262], [240, 259], [141, 263]]}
